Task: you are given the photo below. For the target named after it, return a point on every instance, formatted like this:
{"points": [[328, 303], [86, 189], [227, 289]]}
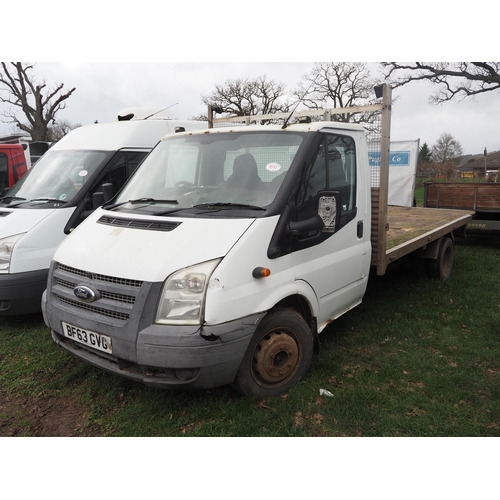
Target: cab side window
{"points": [[121, 167], [333, 168], [314, 180]]}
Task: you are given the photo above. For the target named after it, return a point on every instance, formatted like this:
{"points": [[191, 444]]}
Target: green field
{"points": [[417, 358]]}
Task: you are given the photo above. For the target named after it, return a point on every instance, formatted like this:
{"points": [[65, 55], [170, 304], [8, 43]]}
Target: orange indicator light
{"points": [[261, 272]]}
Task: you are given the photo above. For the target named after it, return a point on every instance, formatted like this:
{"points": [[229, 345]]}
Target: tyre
{"points": [[278, 356], [441, 267]]}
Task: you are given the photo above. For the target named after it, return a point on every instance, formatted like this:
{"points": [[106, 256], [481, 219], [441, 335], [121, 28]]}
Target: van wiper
{"points": [[24, 201], [55, 200], [12, 198], [140, 200], [152, 200], [222, 204]]}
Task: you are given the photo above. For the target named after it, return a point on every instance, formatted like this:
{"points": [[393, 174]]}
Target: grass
{"points": [[417, 358]]}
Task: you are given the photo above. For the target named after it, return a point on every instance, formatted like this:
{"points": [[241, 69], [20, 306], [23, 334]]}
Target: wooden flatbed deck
{"points": [[411, 228], [408, 229]]}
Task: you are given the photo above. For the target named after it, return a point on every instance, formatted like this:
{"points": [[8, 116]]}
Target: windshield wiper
{"points": [[152, 200], [140, 200], [24, 201], [55, 200], [222, 204], [12, 198]]}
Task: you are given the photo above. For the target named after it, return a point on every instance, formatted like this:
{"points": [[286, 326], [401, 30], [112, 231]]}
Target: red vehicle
{"points": [[13, 165]]}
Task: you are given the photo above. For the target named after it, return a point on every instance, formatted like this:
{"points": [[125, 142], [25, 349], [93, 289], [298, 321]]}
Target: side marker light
{"points": [[261, 272]]}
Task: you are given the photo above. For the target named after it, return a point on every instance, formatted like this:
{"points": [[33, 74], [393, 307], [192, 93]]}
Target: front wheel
{"points": [[278, 356]]}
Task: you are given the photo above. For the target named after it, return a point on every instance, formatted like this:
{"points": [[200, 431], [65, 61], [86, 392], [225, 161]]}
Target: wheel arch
{"points": [[302, 306], [431, 251]]}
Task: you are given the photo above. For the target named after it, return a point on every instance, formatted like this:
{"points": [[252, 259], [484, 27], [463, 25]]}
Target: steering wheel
{"points": [[183, 184]]}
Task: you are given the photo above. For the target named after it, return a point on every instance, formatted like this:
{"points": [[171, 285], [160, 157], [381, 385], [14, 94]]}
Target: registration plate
{"points": [[92, 339]]}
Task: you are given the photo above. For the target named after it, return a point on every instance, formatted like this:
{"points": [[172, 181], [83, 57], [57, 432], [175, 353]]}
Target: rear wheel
{"points": [[442, 266], [278, 356]]}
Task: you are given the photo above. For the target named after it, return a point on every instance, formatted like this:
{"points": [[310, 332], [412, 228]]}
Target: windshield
{"points": [[58, 176], [230, 169]]}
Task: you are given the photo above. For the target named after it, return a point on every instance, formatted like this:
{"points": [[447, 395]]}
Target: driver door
{"points": [[333, 261]]}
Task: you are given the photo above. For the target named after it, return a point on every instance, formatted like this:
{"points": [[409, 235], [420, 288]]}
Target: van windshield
{"points": [[57, 176], [221, 168]]}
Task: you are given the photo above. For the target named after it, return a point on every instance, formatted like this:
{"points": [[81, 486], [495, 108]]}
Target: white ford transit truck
{"points": [[59, 192], [229, 250]]}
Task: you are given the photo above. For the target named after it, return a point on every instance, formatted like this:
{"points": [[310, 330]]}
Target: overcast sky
{"points": [[220, 30], [103, 89]]}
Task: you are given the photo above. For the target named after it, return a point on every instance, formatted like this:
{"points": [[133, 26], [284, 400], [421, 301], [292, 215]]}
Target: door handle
{"points": [[360, 229]]}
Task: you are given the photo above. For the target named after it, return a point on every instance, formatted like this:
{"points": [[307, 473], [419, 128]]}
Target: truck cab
{"points": [[59, 192], [218, 235]]}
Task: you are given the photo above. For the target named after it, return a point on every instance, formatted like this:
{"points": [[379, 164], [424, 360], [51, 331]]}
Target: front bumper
{"points": [[21, 293], [176, 360], [168, 357]]}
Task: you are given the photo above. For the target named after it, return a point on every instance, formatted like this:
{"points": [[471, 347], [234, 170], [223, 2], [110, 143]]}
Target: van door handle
{"points": [[360, 229]]}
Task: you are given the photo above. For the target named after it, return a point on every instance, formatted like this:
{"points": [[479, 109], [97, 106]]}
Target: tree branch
{"points": [[462, 79], [38, 105]]}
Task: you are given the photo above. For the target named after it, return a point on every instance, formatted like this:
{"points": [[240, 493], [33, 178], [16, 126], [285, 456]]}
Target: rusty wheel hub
{"points": [[275, 357]]}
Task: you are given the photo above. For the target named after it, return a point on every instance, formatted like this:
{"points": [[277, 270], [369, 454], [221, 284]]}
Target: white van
{"points": [[60, 191], [229, 251]]}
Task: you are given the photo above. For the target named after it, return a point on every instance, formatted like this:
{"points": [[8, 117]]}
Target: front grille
{"points": [[115, 297], [127, 299], [99, 310], [105, 295], [100, 277]]}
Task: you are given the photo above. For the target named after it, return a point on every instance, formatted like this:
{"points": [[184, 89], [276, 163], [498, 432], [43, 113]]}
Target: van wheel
{"points": [[278, 356], [442, 266]]}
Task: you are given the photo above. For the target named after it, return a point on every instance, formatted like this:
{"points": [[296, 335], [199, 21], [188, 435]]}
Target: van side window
{"points": [[342, 169], [333, 168], [313, 181], [121, 167]]}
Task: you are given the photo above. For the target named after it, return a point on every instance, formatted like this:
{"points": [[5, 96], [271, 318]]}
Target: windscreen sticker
{"points": [[273, 167], [82, 173], [62, 197]]}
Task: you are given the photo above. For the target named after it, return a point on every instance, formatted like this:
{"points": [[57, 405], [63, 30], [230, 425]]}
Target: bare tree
{"points": [[445, 154], [460, 79], [60, 129], [338, 85], [246, 97], [38, 103]]}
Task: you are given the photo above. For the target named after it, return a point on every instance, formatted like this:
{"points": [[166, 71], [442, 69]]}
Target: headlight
{"points": [[6, 247], [183, 295]]}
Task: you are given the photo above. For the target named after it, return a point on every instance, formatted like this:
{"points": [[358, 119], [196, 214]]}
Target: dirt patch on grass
{"points": [[37, 417]]}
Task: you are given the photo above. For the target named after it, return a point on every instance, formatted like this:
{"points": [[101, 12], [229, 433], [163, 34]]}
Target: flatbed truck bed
{"points": [[411, 229]]}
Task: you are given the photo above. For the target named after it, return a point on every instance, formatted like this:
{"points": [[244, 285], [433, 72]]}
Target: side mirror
{"points": [[101, 197], [329, 209], [97, 200], [325, 220], [303, 227], [107, 190]]}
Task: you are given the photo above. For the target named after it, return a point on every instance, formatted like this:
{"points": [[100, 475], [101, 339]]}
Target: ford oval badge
{"points": [[84, 293]]}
